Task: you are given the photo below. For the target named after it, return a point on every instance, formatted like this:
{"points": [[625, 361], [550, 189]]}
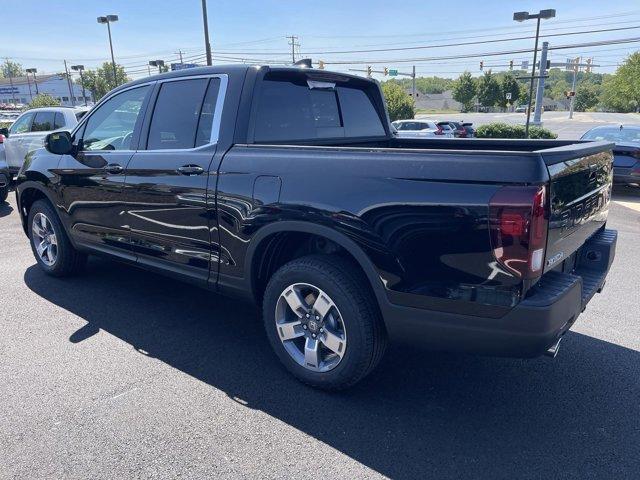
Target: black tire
{"points": [[350, 291], [69, 261], [4, 191]]}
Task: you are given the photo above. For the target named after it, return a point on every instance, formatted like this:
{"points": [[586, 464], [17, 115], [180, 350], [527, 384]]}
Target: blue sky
{"points": [[42, 33]]}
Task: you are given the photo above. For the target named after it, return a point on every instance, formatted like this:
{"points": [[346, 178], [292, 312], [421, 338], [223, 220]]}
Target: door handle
{"points": [[113, 168], [190, 170]]}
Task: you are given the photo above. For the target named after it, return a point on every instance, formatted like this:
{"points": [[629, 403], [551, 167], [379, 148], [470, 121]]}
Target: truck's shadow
{"points": [[451, 416]]}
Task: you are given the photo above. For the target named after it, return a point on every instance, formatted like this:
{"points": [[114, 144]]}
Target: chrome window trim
{"points": [[217, 116]]}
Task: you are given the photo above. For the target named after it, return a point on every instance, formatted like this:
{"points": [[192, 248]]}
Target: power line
{"points": [[478, 55]]}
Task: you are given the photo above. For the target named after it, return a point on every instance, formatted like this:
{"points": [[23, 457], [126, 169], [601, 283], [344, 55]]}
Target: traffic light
{"points": [[368, 70], [321, 65], [386, 71], [511, 65], [481, 64]]}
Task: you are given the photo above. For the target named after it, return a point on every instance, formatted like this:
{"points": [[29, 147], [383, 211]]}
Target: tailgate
{"points": [[579, 192]]}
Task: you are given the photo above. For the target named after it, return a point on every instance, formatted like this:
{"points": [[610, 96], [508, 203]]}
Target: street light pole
{"points": [[108, 20], [80, 68], [207, 45], [521, 17], [533, 76], [157, 63], [28, 71]]}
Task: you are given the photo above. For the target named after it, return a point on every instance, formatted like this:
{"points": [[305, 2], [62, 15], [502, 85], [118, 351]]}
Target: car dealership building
{"points": [[20, 90]]}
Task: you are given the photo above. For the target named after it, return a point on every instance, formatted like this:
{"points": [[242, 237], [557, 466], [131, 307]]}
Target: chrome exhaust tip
{"points": [[553, 350]]}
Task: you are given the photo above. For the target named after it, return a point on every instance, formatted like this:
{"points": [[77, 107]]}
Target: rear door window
{"points": [[59, 121], [43, 122], [177, 113]]}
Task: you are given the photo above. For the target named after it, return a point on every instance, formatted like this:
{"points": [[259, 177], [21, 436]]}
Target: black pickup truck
{"points": [[286, 186]]}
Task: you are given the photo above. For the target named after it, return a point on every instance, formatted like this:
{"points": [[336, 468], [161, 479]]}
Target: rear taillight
{"points": [[518, 224], [1, 138]]}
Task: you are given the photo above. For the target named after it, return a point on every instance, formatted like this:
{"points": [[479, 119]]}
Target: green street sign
{"points": [[393, 73]]}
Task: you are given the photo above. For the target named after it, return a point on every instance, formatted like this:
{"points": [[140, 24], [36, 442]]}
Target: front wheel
{"points": [[323, 322], [53, 251], [4, 193]]}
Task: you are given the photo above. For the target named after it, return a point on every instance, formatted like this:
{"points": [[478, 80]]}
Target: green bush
{"points": [[399, 103], [44, 100], [5, 124], [504, 130]]}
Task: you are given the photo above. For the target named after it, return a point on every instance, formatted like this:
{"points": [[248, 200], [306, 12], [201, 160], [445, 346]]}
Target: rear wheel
{"points": [[50, 244], [323, 321]]}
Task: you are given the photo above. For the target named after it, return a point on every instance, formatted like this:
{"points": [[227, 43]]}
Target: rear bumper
{"points": [[530, 328]]}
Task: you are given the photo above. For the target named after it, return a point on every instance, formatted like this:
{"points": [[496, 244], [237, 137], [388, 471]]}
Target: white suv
{"points": [[420, 129], [29, 130]]}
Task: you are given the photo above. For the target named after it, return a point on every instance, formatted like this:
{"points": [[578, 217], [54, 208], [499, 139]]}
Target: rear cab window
{"points": [[298, 107]]}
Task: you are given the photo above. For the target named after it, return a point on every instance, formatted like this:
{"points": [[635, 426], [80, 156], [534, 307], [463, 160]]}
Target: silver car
{"points": [[421, 129], [29, 130]]}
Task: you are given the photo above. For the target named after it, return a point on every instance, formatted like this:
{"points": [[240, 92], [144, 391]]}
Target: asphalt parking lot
{"points": [[121, 373]]}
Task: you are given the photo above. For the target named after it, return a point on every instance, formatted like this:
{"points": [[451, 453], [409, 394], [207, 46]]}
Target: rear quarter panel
{"points": [[422, 218]]}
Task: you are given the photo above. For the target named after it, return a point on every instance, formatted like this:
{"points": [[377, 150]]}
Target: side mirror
{"points": [[4, 131], [59, 143]]}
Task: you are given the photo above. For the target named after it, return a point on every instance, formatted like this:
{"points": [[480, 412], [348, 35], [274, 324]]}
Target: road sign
{"points": [[182, 66], [508, 95], [393, 72]]}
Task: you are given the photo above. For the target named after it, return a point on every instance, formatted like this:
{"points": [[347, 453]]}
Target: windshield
{"points": [[614, 134]]}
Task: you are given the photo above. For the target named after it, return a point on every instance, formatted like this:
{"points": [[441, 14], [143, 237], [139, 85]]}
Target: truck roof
{"points": [[235, 69]]}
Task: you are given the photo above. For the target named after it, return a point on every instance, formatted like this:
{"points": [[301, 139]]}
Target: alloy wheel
{"points": [[310, 327], [44, 239]]}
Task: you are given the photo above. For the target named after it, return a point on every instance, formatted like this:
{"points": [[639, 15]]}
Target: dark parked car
{"points": [[286, 186], [459, 130], [5, 174], [626, 153]]}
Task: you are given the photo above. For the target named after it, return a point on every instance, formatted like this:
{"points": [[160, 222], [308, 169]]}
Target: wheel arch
{"points": [[28, 193], [262, 237]]}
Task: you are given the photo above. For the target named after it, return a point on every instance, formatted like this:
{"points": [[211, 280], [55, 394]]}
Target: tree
{"points": [[587, 96], [11, 69], [399, 103], [510, 85], [464, 91], [489, 93], [621, 91], [100, 81], [44, 100]]}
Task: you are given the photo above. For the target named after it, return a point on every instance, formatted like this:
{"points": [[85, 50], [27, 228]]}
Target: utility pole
{"points": [[576, 67], [207, 44], [13, 94], [541, 77], [73, 102], [293, 44], [180, 54]]}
